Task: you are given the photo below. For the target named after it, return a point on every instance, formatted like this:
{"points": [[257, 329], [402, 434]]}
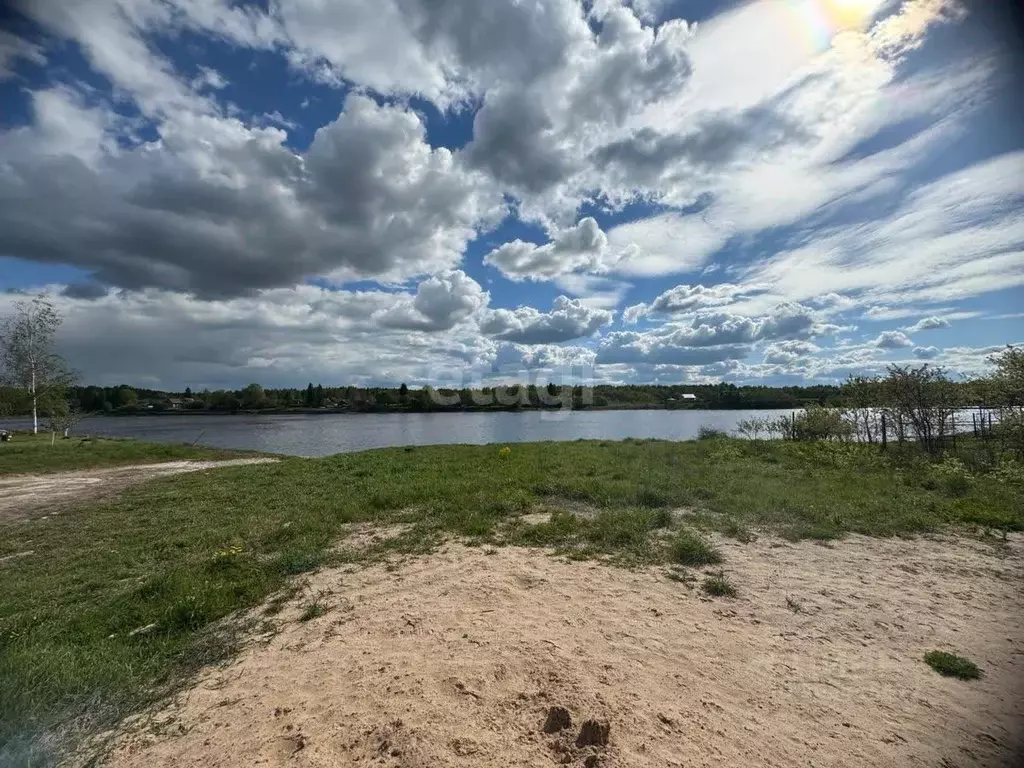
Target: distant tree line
{"points": [[856, 392]]}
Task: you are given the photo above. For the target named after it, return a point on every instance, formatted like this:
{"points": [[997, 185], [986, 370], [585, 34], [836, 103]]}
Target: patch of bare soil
{"points": [[23, 496], [483, 658]]}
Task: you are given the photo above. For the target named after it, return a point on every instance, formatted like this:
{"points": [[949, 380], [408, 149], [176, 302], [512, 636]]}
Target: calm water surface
{"points": [[316, 435]]}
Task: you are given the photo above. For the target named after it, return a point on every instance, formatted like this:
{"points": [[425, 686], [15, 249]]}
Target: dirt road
{"points": [[24, 496]]}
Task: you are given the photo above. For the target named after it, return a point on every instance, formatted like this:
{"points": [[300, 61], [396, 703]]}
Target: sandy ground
{"points": [[458, 658], [31, 495]]}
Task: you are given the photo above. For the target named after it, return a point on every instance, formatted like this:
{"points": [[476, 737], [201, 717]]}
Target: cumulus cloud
{"points": [[787, 321], [892, 340], [926, 353], [649, 157], [220, 209], [553, 357], [742, 167], [621, 347], [573, 249], [440, 303], [788, 353], [568, 319], [708, 338], [279, 337], [927, 324], [684, 299]]}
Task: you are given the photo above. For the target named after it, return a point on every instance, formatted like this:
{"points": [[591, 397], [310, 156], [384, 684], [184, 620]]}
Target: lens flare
{"points": [[821, 20]]}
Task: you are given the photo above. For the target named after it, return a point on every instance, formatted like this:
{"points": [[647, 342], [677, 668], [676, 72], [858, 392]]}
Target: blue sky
{"points": [[772, 191]]}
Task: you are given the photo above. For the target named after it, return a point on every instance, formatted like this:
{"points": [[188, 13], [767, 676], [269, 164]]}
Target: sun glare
{"points": [[821, 20], [850, 13]]}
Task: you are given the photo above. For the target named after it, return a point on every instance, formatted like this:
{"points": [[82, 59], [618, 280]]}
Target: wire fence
{"points": [[936, 430]]}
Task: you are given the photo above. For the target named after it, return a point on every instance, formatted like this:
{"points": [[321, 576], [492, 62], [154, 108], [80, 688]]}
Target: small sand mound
{"points": [[515, 658]]}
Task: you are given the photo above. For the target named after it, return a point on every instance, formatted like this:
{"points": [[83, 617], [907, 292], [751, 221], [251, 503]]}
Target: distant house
{"points": [[689, 397], [175, 403]]}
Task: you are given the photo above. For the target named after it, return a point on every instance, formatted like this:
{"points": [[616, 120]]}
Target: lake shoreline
{"points": [[386, 411]]}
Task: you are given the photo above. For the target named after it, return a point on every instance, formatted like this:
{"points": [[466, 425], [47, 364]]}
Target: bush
{"points": [[817, 423], [753, 427], [951, 665], [953, 477], [710, 433], [661, 519], [689, 548], [313, 611], [1008, 472], [719, 585]]}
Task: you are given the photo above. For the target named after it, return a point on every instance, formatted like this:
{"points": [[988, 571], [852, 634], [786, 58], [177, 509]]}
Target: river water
{"points": [[322, 435]]}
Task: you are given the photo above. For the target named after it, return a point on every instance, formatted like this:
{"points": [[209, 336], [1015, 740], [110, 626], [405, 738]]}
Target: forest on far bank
{"points": [[127, 400]]}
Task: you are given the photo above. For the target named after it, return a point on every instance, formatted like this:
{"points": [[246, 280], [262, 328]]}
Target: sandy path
{"points": [[28, 495], [455, 659]]}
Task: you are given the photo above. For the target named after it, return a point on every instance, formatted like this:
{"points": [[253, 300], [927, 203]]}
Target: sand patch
{"points": [[24, 496], [464, 658], [360, 537]]}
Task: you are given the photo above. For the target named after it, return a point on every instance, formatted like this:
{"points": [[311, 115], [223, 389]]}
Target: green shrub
{"points": [[710, 433], [718, 585], [689, 548], [951, 665], [313, 611], [818, 423], [662, 518], [1008, 472], [953, 477]]}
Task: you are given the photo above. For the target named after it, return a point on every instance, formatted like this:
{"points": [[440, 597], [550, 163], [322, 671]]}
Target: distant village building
{"points": [[688, 398]]}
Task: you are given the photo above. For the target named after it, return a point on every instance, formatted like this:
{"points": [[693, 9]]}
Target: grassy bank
{"points": [[40, 453], [172, 557]]}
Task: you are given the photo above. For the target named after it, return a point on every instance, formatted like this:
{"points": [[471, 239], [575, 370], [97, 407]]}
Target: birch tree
{"points": [[27, 357]]}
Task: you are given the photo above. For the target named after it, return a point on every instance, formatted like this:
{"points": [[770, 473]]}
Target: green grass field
{"points": [[40, 453], [184, 552]]}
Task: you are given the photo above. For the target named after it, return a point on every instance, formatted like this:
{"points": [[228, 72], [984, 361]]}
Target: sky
{"points": [[365, 193]]}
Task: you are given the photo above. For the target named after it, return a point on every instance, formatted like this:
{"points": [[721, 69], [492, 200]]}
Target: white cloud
{"points": [[594, 291], [553, 357], [578, 106], [628, 347], [440, 303], [13, 48], [789, 353], [665, 244], [209, 78], [280, 337], [573, 249], [709, 338], [569, 319], [685, 299], [927, 324], [219, 208], [964, 230], [892, 340]]}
